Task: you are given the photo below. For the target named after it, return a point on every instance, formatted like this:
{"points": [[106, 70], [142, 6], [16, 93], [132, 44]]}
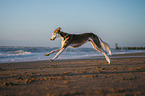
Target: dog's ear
{"points": [[59, 29]]}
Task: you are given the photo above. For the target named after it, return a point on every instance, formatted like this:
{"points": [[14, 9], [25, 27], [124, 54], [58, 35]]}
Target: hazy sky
{"points": [[31, 22]]}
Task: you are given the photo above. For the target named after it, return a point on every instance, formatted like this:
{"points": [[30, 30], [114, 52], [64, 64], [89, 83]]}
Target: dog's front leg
{"points": [[52, 52], [60, 51]]}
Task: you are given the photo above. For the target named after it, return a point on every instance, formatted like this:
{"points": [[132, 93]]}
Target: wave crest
{"points": [[17, 53]]}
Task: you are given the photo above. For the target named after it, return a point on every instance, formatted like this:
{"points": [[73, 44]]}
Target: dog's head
{"points": [[55, 34]]}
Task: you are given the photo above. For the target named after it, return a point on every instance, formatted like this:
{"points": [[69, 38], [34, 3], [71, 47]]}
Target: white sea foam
{"points": [[18, 52]]}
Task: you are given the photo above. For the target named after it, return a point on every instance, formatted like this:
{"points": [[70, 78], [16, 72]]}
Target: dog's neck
{"points": [[63, 34]]}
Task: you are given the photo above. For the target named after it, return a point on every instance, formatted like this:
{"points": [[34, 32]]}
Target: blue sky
{"points": [[31, 22]]}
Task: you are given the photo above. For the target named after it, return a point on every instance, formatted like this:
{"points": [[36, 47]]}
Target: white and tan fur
{"points": [[76, 40]]}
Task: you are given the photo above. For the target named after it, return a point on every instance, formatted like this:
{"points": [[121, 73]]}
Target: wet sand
{"points": [[125, 76]]}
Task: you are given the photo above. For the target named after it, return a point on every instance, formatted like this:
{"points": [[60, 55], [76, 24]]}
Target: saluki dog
{"points": [[76, 40]]}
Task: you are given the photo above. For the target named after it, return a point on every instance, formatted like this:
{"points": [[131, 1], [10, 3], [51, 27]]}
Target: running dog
{"points": [[76, 40]]}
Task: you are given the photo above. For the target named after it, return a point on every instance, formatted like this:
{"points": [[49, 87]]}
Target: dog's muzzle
{"points": [[53, 38]]}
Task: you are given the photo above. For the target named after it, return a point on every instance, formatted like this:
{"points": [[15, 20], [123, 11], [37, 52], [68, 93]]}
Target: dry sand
{"points": [[125, 76]]}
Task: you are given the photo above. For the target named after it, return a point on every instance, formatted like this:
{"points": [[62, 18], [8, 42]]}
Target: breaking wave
{"points": [[17, 53]]}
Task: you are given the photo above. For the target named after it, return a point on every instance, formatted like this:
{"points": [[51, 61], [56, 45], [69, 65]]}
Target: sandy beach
{"points": [[125, 76]]}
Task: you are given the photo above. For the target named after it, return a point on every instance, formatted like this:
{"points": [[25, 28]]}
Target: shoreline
{"points": [[124, 55], [82, 77]]}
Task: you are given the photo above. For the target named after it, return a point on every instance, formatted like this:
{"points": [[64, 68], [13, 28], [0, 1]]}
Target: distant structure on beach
{"points": [[129, 48]]}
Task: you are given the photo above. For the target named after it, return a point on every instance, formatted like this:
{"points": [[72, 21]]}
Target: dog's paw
{"points": [[46, 54], [50, 60]]}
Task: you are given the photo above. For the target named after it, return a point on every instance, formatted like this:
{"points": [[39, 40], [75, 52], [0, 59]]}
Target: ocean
{"points": [[10, 54]]}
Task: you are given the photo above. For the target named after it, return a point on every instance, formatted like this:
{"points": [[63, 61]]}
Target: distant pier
{"points": [[129, 48]]}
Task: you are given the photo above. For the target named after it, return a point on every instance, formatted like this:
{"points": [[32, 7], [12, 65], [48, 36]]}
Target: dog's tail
{"points": [[105, 46]]}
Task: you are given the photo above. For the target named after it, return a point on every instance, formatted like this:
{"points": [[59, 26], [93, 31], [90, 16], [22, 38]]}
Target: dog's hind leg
{"points": [[100, 50], [52, 52], [107, 58]]}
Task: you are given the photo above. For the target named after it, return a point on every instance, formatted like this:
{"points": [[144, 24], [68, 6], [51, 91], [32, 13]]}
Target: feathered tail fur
{"points": [[105, 46]]}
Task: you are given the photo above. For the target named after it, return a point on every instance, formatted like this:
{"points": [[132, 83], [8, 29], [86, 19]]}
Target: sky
{"points": [[31, 22]]}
